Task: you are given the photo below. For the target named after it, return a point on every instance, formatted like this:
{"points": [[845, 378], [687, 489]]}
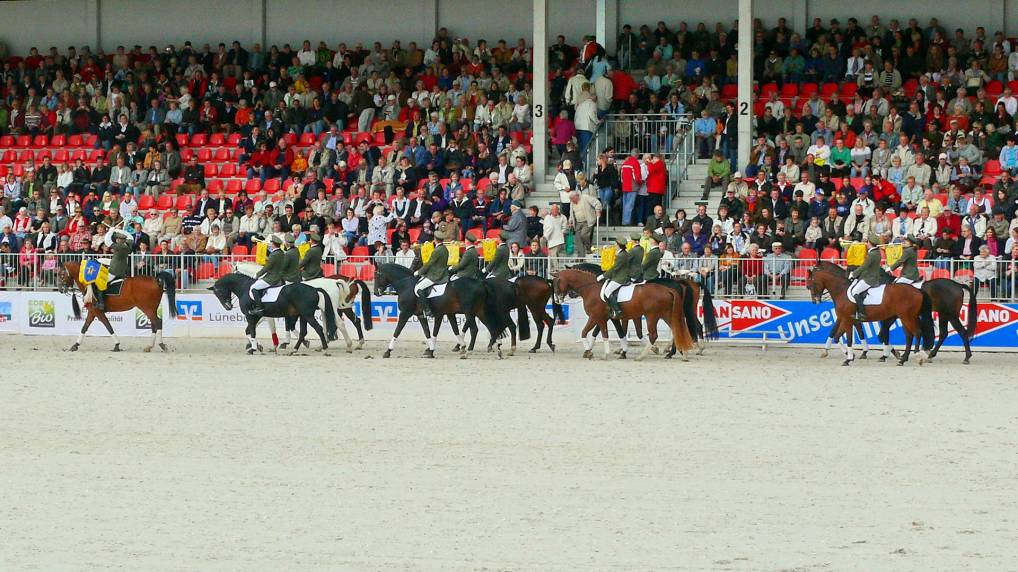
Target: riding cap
{"points": [[470, 237], [657, 237], [276, 240], [636, 236], [620, 240], [315, 237], [289, 238]]}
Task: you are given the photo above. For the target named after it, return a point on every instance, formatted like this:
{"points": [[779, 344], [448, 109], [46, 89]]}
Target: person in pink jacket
{"points": [[562, 132]]}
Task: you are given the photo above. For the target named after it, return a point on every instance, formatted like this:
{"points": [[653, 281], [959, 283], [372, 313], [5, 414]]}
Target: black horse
{"points": [[690, 291], [533, 294], [947, 297], [503, 296], [465, 296], [295, 300]]}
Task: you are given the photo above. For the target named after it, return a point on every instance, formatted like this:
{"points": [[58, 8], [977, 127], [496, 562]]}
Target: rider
{"points": [[270, 275], [615, 277], [468, 266], [120, 265], [434, 271], [866, 276], [291, 261], [499, 265], [908, 264], [311, 265], [636, 259], [653, 257]]}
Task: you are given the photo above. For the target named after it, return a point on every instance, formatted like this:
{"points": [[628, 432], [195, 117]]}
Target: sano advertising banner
{"points": [[201, 315]]}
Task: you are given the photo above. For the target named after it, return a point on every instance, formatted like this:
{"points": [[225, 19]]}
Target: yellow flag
{"points": [[488, 247], [893, 253], [261, 253], [630, 245], [303, 249], [856, 254], [426, 249], [645, 243], [454, 253], [607, 257]]}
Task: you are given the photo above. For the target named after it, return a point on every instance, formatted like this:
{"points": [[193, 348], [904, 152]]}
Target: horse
{"points": [[503, 297], [294, 300], [342, 292], [907, 303], [655, 301], [465, 296], [948, 297], [691, 292], [142, 292], [533, 293]]}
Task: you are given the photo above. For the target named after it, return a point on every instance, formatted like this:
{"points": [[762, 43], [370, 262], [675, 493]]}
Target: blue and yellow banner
{"points": [[93, 272]]}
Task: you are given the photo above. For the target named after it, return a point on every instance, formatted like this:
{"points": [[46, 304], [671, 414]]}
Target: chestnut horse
{"points": [[653, 301], [905, 302], [142, 292]]}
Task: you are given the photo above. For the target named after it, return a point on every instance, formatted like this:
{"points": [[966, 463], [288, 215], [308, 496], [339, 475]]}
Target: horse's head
{"points": [[565, 282], [67, 278], [381, 281], [816, 289], [223, 293]]}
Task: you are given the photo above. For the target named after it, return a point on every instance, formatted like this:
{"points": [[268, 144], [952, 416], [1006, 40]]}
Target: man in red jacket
{"points": [[622, 85], [657, 182], [631, 174], [884, 192]]}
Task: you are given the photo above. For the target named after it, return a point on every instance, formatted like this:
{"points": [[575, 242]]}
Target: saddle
{"points": [[114, 288], [437, 290], [271, 294], [875, 295]]}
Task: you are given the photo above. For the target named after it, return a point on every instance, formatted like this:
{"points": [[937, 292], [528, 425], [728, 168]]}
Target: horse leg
{"points": [[84, 328], [286, 330], [431, 343], [438, 326], [830, 339], [252, 347], [356, 324], [962, 333], [346, 334], [911, 327], [301, 336], [539, 322], [153, 321], [846, 350], [159, 333], [512, 333], [109, 328], [551, 326], [471, 326], [865, 342], [321, 334], [651, 338], [604, 338], [885, 340], [403, 317], [623, 327], [272, 330], [461, 344], [588, 342]]}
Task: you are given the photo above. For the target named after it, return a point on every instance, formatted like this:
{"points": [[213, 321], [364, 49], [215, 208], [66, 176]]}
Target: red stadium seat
{"points": [[789, 90], [415, 235], [253, 185], [217, 139], [808, 89], [214, 185], [224, 269], [58, 141], [204, 155], [290, 138], [991, 168], [367, 272], [22, 141], [307, 139], [240, 250], [830, 255], [227, 170], [75, 141], [183, 202], [61, 156], [198, 140], [234, 139], [222, 155], [146, 202], [328, 269], [940, 273], [205, 271], [165, 202], [211, 169], [40, 141], [807, 254], [234, 186], [348, 270], [181, 140]]}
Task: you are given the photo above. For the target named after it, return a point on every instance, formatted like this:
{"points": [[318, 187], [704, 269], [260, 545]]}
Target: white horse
{"points": [[340, 293]]}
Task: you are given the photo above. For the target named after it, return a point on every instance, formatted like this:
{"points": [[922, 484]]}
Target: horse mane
{"points": [[587, 267], [831, 267], [247, 268], [397, 271]]}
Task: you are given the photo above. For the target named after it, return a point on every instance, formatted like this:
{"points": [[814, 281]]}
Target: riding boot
{"points": [[256, 303], [613, 306], [860, 307], [422, 303], [100, 298]]}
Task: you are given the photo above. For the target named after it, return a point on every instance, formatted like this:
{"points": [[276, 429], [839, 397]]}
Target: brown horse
{"points": [[533, 293], [907, 303], [653, 301], [142, 292]]}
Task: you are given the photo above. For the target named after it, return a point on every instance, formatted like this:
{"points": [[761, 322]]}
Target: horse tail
{"points": [[522, 320], [680, 332], [710, 319], [973, 317], [926, 322], [689, 312], [494, 320], [169, 284], [366, 315], [330, 316], [75, 306]]}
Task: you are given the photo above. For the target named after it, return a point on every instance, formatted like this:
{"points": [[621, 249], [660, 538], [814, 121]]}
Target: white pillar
{"points": [[92, 16], [258, 24], [607, 27], [745, 100], [800, 20], [540, 103], [997, 11]]}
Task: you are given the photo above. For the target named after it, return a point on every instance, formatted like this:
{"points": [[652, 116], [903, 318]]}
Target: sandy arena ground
{"points": [[207, 459]]}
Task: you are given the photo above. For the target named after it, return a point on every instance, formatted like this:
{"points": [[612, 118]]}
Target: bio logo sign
{"points": [[189, 310], [6, 314], [41, 314], [141, 321]]}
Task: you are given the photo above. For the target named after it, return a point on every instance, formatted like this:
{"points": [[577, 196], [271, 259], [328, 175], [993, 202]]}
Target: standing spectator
{"points": [[554, 228]]}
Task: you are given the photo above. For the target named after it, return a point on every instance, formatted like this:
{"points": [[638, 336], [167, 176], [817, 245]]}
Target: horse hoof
{"points": [[429, 354], [532, 351], [284, 345], [360, 344], [512, 351], [455, 348], [463, 354], [824, 354], [147, 350], [901, 362], [655, 350], [387, 354], [965, 361], [882, 359], [699, 352], [846, 362], [261, 349], [588, 354], [606, 357], [622, 355], [552, 347], [669, 356], [863, 355], [116, 348], [75, 347], [250, 351], [895, 353], [163, 347], [292, 353]]}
